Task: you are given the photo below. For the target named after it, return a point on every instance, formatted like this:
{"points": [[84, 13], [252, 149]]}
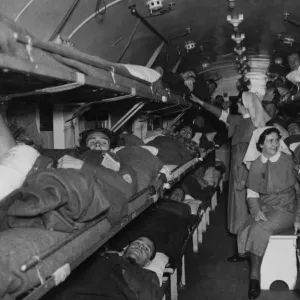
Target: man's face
{"points": [[294, 61], [186, 132], [293, 129], [271, 109], [211, 87], [199, 121], [98, 141], [140, 251], [177, 195]]}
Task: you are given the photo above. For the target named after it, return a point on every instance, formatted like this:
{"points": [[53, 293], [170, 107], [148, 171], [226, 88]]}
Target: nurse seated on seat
{"points": [[271, 198]]}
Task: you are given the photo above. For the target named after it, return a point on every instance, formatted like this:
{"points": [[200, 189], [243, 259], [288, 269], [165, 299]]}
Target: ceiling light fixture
{"points": [[189, 45], [288, 40], [231, 4], [154, 5], [243, 66], [239, 50], [278, 61], [241, 58], [235, 19], [205, 65], [238, 38]]}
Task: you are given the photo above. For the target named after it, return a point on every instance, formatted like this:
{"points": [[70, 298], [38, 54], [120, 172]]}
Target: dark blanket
{"points": [[60, 200], [191, 187], [65, 199], [171, 151], [112, 277]]}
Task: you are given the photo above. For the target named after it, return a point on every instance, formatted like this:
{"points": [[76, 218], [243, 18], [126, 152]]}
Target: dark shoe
{"points": [[254, 288], [237, 258]]}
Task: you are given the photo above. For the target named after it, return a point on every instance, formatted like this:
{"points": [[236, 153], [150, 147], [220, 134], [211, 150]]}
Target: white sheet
{"points": [[158, 265]]}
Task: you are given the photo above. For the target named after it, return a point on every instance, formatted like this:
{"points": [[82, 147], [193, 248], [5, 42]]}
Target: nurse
{"points": [[271, 197], [240, 129]]}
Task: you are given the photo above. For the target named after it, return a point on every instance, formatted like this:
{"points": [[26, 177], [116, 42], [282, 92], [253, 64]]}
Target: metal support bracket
{"points": [[127, 116], [87, 106]]}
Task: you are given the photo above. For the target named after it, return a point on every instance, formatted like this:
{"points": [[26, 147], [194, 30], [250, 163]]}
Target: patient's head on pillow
{"points": [[186, 132], [99, 139], [293, 128], [141, 251], [177, 195]]}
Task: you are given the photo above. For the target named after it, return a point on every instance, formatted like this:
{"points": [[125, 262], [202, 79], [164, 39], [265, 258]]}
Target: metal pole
{"points": [[155, 55], [146, 23]]}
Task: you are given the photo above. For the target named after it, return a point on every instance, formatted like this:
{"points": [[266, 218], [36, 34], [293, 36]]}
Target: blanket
{"points": [[117, 279], [60, 200], [171, 150]]}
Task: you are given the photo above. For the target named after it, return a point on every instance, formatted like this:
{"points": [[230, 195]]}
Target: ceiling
{"points": [[113, 29]]}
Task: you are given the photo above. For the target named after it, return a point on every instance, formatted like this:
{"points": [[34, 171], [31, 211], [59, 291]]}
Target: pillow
{"points": [[145, 164], [14, 167], [144, 73], [158, 265]]}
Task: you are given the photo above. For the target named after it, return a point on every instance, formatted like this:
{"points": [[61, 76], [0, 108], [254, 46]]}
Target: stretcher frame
{"points": [[54, 280]]}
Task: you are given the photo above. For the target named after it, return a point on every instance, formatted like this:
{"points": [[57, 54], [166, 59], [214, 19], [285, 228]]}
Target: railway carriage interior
{"points": [[149, 149]]}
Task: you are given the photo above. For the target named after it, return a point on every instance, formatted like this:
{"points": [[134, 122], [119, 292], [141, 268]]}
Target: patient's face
{"points": [[271, 109], [294, 61], [293, 129], [186, 132], [199, 121], [98, 141], [177, 195], [140, 251]]}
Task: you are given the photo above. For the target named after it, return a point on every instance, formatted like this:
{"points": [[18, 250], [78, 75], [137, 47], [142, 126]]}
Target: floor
{"points": [[211, 277]]}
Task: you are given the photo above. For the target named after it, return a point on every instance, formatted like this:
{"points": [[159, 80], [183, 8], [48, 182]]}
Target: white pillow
{"points": [[14, 167], [144, 73], [294, 76], [158, 265], [197, 137]]}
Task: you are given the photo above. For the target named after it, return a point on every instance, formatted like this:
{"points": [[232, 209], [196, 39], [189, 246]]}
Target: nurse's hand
{"points": [[296, 227], [69, 162], [260, 216]]}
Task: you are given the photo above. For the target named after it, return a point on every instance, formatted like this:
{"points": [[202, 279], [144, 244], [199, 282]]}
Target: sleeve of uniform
{"points": [[253, 202]]}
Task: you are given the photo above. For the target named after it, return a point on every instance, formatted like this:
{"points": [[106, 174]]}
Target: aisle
{"points": [[211, 277]]}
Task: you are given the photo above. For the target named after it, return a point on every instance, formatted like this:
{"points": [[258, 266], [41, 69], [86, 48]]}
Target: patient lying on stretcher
{"points": [[118, 276], [64, 199]]}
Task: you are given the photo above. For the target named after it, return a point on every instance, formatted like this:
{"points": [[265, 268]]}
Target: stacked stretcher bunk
{"points": [[33, 67], [43, 256], [35, 259]]}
